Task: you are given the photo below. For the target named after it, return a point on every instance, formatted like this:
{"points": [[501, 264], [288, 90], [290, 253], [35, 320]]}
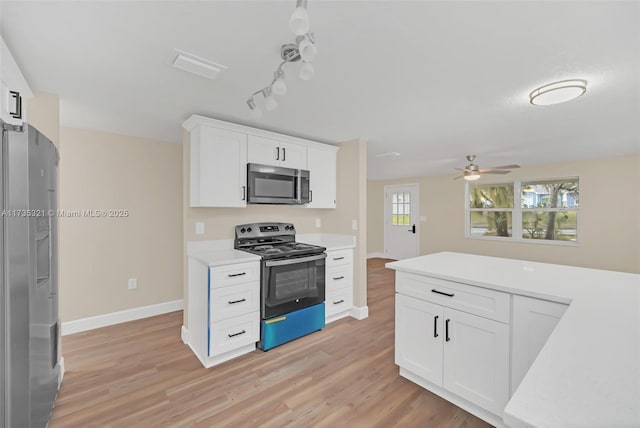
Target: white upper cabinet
{"points": [[321, 164], [14, 90], [268, 151], [218, 168], [221, 150]]}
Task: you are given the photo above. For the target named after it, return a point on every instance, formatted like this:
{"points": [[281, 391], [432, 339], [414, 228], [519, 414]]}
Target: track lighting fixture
{"points": [[304, 49]]}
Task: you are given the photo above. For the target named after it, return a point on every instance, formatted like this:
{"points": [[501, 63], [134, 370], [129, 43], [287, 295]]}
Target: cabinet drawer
{"points": [[222, 276], [339, 278], [338, 258], [233, 333], [339, 301], [474, 300], [233, 300]]}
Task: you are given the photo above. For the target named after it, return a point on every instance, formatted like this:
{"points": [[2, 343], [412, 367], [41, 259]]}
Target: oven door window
{"points": [[292, 282]]}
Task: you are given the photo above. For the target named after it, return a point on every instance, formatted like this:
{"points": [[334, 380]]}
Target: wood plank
{"points": [[140, 374]]}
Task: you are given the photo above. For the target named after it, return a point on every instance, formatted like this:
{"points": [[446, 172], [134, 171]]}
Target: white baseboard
{"points": [[376, 255], [98, 321], [184, 335], [61, 373], [359, 313]]}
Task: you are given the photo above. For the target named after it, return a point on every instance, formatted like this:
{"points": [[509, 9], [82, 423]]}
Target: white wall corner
{"points": [[105, 320], [184, 335], [359, 313], [376, 256]]}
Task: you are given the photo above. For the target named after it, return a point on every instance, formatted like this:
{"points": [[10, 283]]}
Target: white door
{"points": [[401, 227], [476, 359], [419, 338]]}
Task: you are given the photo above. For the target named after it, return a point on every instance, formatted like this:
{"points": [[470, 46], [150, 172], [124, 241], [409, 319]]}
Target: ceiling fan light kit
{"points": [[558, 92], [304, 49], [473, 172]]}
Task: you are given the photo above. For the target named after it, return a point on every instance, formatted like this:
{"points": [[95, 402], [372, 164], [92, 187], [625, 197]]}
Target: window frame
{"points": [[516, 213]]}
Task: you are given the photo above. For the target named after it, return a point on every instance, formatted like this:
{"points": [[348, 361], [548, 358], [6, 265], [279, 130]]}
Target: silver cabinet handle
{"points": [[233, 302], [277, 153], [338, 258], [232, 275], [338, 278], [244, 193], [236, 334], [284, 154], [338, 302]]}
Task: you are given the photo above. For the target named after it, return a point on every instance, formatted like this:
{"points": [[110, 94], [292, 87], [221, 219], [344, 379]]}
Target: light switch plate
{"points": [[354, 224], [133, 283], [199, 228], [318, 222], [423, 218]]}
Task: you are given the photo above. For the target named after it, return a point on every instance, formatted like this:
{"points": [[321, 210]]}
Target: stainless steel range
{"points": [[292, 281]]}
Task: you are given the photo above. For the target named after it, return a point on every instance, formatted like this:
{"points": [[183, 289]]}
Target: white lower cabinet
{"points": [[338, 284], [224, 310], [476, 359], [533, 322], [457, 354]]}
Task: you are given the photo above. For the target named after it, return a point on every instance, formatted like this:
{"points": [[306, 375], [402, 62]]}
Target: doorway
{"points": [[401, 221]]}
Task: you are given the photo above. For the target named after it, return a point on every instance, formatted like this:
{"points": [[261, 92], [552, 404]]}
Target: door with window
{"points": [[401, 227]]}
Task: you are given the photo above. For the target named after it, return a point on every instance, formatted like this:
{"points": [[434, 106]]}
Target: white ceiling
{"points": [[432, 80]]}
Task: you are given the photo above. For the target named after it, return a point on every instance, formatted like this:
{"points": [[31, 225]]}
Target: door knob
{"points": [[413, 229]]}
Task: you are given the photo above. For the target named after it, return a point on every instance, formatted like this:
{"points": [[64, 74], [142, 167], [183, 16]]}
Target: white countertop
{"points": [[220, 252], [331, 242], [588, 372], [223, 257]]}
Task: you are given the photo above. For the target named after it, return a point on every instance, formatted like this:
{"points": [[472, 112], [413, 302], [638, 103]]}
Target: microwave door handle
{"points": [[299, 186], [270, 263]]}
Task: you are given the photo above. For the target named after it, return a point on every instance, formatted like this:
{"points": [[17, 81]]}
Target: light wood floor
{"points": [[140, 374]]}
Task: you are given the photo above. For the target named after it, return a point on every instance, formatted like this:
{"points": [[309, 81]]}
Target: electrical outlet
{"points": [[318, 222], [199, 228], [133, 283]]}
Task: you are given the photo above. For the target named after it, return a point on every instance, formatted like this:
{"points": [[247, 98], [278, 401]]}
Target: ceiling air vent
{"points": [[197, 65]]}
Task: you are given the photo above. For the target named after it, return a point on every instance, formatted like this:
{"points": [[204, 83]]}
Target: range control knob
{"points": [[286, 228], [243, 230], [248, 229], [291, 227]]}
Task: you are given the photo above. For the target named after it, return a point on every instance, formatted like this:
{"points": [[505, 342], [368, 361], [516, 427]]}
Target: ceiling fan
{"points": [[473, 172]]}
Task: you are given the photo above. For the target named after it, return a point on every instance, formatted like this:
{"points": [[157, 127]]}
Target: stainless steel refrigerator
{"points": [[29, 270]]}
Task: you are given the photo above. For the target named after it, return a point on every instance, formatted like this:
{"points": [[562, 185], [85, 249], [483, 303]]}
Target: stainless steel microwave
{"points": [[268, 184]]}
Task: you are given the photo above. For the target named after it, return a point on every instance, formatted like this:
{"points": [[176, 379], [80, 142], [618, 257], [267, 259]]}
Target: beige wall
{"points": [[98, 255], [609, 217], [352, 205], [43, 112], [220, 222], [375, 216]]}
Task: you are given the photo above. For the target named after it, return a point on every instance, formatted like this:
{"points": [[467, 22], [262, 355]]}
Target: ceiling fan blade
{"points": [[491, 171], [504, 167], [460, 176]]}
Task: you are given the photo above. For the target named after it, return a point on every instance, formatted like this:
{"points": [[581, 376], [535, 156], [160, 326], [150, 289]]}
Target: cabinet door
{"points": [[14, 90], [419, 338], [533, 322], [476, 359], [322, 179], [218, 168], [293, 156], [264, 151]]}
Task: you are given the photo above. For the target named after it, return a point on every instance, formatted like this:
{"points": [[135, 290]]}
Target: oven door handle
{"points": [[270, 263]]}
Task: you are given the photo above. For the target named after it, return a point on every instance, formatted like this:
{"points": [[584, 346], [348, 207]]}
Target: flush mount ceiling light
{"points": [[304, 49], [387, 154], [558, 92]]}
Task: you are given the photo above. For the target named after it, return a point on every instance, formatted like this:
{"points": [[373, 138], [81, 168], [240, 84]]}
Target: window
{"points": [[550, 209], [401, 208], [491, 210], [547, 210]]}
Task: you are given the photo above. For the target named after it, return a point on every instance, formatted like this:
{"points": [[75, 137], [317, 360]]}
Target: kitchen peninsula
{"points": [[477, 326]]}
